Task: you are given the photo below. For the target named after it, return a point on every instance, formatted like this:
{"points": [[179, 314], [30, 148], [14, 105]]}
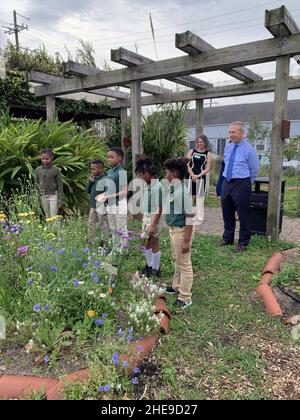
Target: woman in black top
{"points": [[199, 165]]}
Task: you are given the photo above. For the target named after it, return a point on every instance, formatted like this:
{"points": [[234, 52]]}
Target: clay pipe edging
{"points": [[273, 264], [137, 353], [18, 386], [264, 290]]}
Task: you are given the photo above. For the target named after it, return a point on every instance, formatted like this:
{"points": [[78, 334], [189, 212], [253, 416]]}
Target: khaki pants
{"points": [[183, 276], [96, 218], [147, 221], [117, 221], [50, 205], [199, 217]]}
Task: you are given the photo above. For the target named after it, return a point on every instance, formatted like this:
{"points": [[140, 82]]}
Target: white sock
{"points": [[149, 257], [156, 260]]}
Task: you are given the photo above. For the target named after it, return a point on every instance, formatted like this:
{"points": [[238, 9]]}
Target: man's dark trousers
{"points": [[235, 197]]}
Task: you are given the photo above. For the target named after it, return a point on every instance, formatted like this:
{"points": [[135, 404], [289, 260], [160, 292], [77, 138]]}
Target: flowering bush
{"points": [[57, 293]]}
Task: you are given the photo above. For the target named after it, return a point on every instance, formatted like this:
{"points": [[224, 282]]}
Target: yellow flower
{"points": [[52, 219], [28, 222], [91, 313], [110, 290], [23, 214]]}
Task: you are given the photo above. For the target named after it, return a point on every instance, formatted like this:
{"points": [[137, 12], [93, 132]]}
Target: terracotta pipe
{"points": [[18, 386], [274, 263], [265, 292], [266, 278]]}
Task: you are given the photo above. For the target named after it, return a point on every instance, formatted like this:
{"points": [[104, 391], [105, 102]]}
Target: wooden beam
{"points": [[132, 59], [82, 70], [124, 118], [199, 117], [193, 45], [136, 122], [221, 59], [263, 86], [50, 108], [46, 79], [277, 145], [280, 23]]}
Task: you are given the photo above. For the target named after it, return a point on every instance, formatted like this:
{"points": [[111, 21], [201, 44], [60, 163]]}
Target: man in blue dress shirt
{"points": [[240, 172]]}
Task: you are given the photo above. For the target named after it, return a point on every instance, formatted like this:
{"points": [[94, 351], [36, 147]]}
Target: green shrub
{"points": [[21, 143]]}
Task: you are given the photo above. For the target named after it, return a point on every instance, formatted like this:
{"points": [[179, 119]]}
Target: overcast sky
{"points": [[116, 23]]}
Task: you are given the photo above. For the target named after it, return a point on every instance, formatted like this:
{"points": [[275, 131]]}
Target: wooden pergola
{"points": [[199, 57]]}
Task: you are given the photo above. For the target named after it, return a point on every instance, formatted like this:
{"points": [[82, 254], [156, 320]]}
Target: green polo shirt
{"points": [[180, 205], [49, 181], [152, 200], [119, 177], [94, 188]]}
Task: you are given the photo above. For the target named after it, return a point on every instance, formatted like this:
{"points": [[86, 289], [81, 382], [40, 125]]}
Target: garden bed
{"points": [[68, 306]]}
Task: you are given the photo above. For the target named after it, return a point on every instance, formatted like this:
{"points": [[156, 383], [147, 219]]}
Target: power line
{"points": [[15, 28]]}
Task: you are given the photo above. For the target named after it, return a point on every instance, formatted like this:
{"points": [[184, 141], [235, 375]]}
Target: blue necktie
{"points": [[230, 164]]}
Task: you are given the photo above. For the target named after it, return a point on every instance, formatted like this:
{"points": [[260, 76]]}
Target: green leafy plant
{"points": [[21, 143]]}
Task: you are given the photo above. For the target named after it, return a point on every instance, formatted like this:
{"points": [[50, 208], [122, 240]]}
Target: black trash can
{"points": [[258, 206]]}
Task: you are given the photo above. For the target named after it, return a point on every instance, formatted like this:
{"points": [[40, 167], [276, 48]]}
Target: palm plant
{"points": [[21, 143], [165, 132]]}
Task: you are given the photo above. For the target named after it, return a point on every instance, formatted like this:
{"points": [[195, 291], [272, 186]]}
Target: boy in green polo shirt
{"points": [[97, 214], [179, 218], [152, 203], [116, 197], [49, 182]]}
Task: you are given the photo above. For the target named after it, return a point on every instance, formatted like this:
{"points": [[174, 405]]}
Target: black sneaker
{"points": [[179, 304], [171, 291], [146, 271], [156, 273]]}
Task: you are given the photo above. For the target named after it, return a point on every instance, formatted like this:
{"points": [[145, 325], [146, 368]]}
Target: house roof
{"points": [[243, 112]]}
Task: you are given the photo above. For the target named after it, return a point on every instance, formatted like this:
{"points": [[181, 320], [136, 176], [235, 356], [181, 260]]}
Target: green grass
{"points": [[211, 349]]}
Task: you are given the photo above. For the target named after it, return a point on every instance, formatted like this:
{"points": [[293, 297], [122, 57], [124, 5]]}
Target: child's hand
{"points": [[186, 247], [151, 230], [101, 198]]}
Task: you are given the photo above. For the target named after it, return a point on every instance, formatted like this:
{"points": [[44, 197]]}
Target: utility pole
{"points": [[15, 29]]}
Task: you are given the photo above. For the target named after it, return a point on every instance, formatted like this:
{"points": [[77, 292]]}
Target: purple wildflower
{"points": [[101, 389], [37, 308], [125, 364], [135, 381], [46, 308], [136, 370], [97, 264], [120, 333], [75, 283], [46, 359], [22, 251], [99, 322], [54, 268], [107, 388], [87, 250], [140, 347]]}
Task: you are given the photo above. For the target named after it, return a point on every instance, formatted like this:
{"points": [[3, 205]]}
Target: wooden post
{"points": [[280, 106], [136, 122], [50, 108], [124, 132], [199, 117]]}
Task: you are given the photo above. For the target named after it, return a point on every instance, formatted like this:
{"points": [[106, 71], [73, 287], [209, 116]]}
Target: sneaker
{"points": [[170, 290], [182, 305], [146, 271], [155, 273]]}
